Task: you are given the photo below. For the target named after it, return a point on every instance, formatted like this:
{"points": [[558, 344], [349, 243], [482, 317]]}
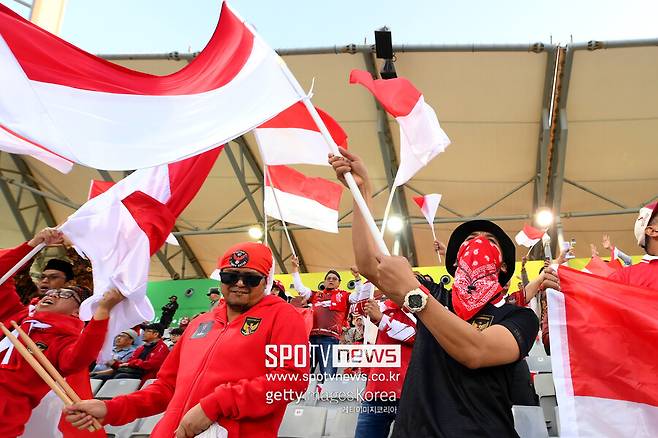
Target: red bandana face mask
{"points": [[476, 277]]}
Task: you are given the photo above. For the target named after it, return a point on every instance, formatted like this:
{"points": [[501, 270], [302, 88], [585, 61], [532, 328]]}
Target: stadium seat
{"points": [[95, 385], [121, 431], [342, 424], [340, 392], [544, 384], [539, 364], [546, 391], [537, 349], [310, 397], [115, 387], [146, 427], [529, 422], [303, 422]]}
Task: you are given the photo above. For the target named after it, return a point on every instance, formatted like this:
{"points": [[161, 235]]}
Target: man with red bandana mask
{"points": [[218, 371], [467, 339]]}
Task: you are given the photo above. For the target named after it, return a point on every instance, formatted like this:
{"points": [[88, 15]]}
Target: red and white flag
{"points": [[421, 136], [309, 201], [604, 356], [120, 229], [293, 137], [529, 236], [63, 105], [428, 204]]}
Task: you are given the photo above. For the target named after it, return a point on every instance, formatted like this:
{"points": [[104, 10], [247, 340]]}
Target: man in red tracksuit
{"points": [[218, 371], [384, 388], [54, 326]]}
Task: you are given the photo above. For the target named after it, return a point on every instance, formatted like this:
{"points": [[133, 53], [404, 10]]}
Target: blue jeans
{"points": [[375, 418], [323, 352]]}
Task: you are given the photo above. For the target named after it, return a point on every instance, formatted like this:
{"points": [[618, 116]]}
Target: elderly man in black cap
{"points": [[468, 339]]}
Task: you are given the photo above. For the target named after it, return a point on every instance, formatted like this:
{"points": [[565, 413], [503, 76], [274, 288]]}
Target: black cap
{"points": [[157, 327], [176, 331], [62, 266], [331, 271], [173, 296], [213, 290], [464, 230]]}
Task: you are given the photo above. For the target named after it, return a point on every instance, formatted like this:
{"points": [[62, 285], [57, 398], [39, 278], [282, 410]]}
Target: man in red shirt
{"points": [[645, 273], [147, 359], [218, 371], [53, 324], [396, 327], [331, 306]]}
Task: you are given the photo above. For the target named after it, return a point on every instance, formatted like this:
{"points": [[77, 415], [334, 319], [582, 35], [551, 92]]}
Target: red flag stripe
{"points": [[533, 233], [398, 96], [420, 201], [47, 58], [607, 325], [291, 181]]}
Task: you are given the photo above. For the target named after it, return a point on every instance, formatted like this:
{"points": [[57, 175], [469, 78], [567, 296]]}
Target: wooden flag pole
{"points": [[45, 376], [387, 210], [438, 252]]}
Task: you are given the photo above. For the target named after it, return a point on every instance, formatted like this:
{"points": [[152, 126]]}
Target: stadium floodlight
{"points": [[544, 217], [255, 232], [394, 224]]}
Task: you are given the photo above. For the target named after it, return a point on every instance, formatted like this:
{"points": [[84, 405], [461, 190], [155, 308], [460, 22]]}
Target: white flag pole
{"points": [[22, 261], [438, 252], [387, 210], [264, 190], [278, 207], [349, 179]]}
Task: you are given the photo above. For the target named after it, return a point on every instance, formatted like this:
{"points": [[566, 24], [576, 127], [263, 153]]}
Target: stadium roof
{"points": [[574, 128]]}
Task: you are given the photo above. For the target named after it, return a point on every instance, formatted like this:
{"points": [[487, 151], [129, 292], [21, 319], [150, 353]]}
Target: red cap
{"points": [[247, 255], [279, 286]]}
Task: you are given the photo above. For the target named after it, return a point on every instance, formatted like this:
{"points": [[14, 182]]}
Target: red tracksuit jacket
{"points": [[153, 360], [222, 366], [60, 338]]}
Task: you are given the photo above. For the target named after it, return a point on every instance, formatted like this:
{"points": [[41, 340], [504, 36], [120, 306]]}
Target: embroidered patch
{"points": [[250, 325], [202, 330], [238, 259], [481, 322]]}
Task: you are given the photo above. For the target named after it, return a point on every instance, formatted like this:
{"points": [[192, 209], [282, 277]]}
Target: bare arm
{"points": [[300, 287], [365, 250]]}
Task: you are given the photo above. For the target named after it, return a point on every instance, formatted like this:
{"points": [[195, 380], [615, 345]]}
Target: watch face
{"points": [[415, 301]]}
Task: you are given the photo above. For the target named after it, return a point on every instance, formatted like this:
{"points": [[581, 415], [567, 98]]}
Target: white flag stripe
{"points": [[421, 139], [301, 211], [292, 146], [136, 131], [14, 145], [522, 239]]}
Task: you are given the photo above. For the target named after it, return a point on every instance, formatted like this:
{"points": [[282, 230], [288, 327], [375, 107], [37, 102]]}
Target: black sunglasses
{"points": [[250, 280]]}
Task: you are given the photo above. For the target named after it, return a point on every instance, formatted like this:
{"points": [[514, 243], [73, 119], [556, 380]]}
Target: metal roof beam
{"points": [[228, 150], [391, 167]]}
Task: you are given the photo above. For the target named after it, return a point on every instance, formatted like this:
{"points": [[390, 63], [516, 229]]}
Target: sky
{"points": [[159, 26]]}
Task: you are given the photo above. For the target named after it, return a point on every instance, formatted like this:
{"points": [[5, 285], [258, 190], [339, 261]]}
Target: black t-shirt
{"points": [[443, 398]]}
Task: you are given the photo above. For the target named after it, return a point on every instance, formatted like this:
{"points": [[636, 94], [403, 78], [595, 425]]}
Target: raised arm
{"points": [[300, 287], [365, 249]]}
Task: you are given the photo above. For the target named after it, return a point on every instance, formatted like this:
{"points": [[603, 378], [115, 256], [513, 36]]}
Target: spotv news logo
{"points": [[343, 356]]}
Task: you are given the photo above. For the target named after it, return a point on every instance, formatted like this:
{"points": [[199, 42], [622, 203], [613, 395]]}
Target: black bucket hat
{"points": [[464, 230]]}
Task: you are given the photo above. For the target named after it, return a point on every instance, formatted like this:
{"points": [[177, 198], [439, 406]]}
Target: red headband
{"points": [[247, 255]]}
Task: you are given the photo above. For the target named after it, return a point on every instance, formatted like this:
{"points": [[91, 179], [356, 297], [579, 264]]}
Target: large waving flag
{"points": [[63, 105], [604, 356], [293, 137], [119, 230], [421, 136], [309, 201]]}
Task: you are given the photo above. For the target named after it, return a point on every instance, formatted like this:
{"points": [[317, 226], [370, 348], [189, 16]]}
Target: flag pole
{"points": [[387, 210], [22, 261], [349, 179], [264, 213], [438, 252], [278, 207]]}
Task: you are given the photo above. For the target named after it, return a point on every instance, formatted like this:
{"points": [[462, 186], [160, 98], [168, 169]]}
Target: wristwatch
{"points": [[415, 300]]}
